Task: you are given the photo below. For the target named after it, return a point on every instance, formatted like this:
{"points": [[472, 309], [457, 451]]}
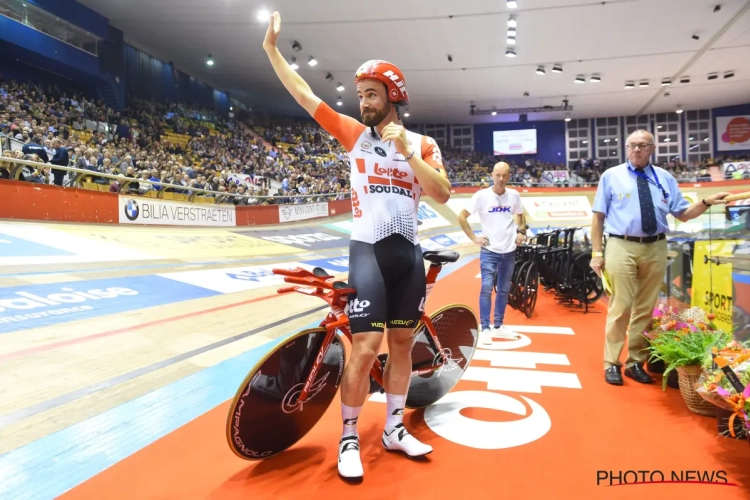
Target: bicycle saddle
{"points": [[440, 256]]}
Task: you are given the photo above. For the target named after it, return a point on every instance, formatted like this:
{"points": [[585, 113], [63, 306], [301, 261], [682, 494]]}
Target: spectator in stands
{"points": [[34, 147], [61, 159]]}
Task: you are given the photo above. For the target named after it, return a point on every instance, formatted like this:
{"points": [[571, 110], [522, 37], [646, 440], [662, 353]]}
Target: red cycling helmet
{"points": [[387, 73]]}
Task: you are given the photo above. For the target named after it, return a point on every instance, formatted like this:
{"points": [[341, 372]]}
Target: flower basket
{"points": [[689, 377]]}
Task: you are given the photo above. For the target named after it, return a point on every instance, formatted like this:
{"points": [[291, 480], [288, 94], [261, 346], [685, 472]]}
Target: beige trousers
{"points": [[636, 271]]}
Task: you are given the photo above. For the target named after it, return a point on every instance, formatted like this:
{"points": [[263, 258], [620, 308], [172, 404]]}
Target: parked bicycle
{"points": [[286, 393]]}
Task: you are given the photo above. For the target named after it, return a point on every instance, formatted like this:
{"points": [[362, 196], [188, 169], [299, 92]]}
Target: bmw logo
{"points": [[131, 210]]}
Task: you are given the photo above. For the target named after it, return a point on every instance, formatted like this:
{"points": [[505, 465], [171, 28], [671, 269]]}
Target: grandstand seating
{"points": [[254, 159]]}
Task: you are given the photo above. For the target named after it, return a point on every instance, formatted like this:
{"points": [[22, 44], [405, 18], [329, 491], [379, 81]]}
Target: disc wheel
{"points": [[457, 330], [588, 284], [265, 417]]}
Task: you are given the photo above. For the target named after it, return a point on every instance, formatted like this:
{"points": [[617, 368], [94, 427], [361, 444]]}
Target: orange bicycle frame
{"points": [[318, 286]]}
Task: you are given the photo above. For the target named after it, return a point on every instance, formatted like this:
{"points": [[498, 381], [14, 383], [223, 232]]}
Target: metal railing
{"points": [[77, 176]]}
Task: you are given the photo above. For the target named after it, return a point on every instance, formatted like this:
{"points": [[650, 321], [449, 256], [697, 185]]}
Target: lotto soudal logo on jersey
{"points": [[499, 210], [356, 306], [381, 189]]}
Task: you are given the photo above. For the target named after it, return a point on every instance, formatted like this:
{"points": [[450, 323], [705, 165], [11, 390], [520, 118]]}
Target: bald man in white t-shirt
{"points": [[503, 228]]}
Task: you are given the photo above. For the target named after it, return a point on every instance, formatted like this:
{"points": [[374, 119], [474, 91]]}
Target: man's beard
{"points": [[374, 117]]}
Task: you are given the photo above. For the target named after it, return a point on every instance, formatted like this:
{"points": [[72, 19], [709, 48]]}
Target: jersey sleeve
{"points": [[431, 154], [601, 198], [344, 128]]}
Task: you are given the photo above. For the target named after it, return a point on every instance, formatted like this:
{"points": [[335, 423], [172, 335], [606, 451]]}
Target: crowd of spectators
{"points": [[251, 159]]}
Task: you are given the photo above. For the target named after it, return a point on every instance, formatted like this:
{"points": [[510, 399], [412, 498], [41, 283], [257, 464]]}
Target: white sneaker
{"points": [[485, 337], [350, 465], [505, 333], [399, 439]]}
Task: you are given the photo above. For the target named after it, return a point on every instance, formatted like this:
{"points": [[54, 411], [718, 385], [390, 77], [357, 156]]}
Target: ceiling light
{"points": [[595, 78], [312, 61], [512, 23], [339, 103], [606, 140], [665, 82], [685, 79], [644, 83], [691, 138], [567, 117], [666, 94], [580, 79], [511, 40], [705, 140], [263, 15], [494, 113], [329, 77], [540, 70], [511, 31], [210, 60], [406, 115], [729, 74], [294, 64], [512, 4], [658, 127], [557, 68], [629, 85], [713, 76], [340, 88], [510, 52], [667, 139], [679, 109], [296, 46]]}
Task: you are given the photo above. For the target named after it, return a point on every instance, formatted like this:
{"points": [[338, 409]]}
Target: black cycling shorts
{"points": [[389, 277]]}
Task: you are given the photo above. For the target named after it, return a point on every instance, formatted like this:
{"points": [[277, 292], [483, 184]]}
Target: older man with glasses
{"points": [[631, 206]]}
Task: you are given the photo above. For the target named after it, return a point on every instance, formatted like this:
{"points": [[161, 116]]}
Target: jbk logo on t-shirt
{"points": [[499, 209]]}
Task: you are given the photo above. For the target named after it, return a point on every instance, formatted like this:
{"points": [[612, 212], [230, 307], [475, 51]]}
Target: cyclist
{"points": [[390, 167]]}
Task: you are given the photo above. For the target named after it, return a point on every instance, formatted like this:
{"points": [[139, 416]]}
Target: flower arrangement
{"points": [[726, 380], [689, 320]]}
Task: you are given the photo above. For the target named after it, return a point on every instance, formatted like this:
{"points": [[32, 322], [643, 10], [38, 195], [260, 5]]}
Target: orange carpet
{"points": [[595, 428]]}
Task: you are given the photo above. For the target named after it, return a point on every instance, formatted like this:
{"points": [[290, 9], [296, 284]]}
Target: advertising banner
{"points": [[555, 208], [555, 176], [151, 211], [735, 166], [303, 211], [733, 133], [712, 283]]}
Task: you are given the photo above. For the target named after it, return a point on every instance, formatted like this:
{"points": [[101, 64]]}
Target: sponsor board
{"points": [[459, 204], [548, 208], [151, 211], [315, 238], [430, 244], [733, 133], [443, 240], [235, 279], [291, 213], [735, 166], [555, 176], [177, 243], [35, 306], [429, 218]]}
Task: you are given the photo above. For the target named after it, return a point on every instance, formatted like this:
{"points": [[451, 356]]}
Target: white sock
{"points": [[350, 415], [395, 410]]}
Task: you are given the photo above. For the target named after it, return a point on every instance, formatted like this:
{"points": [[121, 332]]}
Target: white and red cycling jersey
{"points": [[385, 191]]}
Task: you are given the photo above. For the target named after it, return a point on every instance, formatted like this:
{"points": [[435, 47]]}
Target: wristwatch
{"points": [[704, 202]]}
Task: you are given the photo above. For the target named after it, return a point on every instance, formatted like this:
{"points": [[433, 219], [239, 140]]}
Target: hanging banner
{"points": [[712, 282], [733, 133], [151, 211], [735, 166], [555, 176]]}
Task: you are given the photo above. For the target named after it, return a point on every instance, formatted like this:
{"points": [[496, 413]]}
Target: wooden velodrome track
{"points": [[121, 346]]}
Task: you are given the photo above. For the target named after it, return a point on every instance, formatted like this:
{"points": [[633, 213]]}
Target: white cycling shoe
{"points": [[350, 464], [399, 439]]}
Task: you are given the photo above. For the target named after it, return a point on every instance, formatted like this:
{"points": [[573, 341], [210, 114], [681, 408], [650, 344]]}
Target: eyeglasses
{"points": [[641, 146]]}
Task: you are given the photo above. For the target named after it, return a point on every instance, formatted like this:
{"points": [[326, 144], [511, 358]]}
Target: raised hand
{"points": [[272, 33]]}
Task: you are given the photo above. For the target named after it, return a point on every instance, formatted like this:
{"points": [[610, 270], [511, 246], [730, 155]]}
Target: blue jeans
{"points": [[488, 263]]}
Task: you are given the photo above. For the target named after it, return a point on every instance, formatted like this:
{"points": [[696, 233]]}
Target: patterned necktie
{"points": [[648, 215]]}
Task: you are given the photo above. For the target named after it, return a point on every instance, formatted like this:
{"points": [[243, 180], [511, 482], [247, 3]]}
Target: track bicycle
{"points": [[288, 391]]}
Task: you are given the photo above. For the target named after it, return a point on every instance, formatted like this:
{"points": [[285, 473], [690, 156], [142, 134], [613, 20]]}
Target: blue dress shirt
{"points": [[617, 198]]}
